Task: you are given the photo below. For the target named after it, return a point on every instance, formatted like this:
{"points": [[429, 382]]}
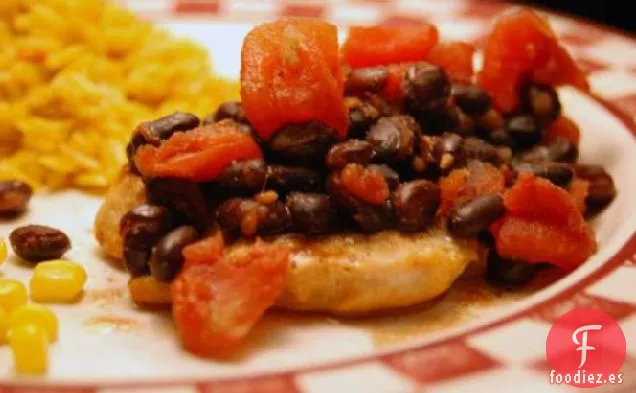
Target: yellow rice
{"points": [[76, 76]]}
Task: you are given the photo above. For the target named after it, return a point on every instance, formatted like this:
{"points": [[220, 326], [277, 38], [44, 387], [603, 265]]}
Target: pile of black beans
{"points": [[437, 127]]}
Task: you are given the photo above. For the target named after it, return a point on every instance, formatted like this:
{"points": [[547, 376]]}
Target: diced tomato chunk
{"points": [[561, 70], [291, 73], [564, 128], [367, 184], [215, 306], [198, 155], [206, 251], [542, 224], [467, 183], [456, 58], [523, 46], [393, 91], [384, 45]]}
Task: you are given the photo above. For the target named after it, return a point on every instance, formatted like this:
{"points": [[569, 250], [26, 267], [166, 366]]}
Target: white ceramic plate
{"points": [[108, 345]]}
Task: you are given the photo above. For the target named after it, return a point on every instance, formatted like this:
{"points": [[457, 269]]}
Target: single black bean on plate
{"points": [[291, 178], [426, 89], [480, 150], [182, 197], [508, 273], [302, 144], [36, 243], [476, 215], [473, 100], [140, 229], [155, 131], [447, 150], [391, 177], [242, 177], [524, 131], [311, 213], [364, 80], [541, 100], [166, 260], [394, 138], [559, 174], [415, 204], [601, 191], [500, 137], [362, 115], [352, 151], [14, 196]]}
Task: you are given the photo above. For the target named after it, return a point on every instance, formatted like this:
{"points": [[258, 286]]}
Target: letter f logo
{"points": [[583, 344]]}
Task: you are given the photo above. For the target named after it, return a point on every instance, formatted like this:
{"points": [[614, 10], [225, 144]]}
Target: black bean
{"points": [[466, 125], [508, 273], [36, 243], [477, 149], [426, 89], [230, 110], [166, 260], [373, 218], [391, 177], [476, 215], [415, 204], [183, 198], [362, 115], [242, 177], [562, 150], [14, 196], [524, 131], [500, 137], [447, 150], [601, 191], [559, 174], [289, 178], [542, 101], [393, 138], [311, 213], [231, 212], [473, 100], [537, 154], [363, 80], [302, 144], [352, 151], [140, 229], [445, 119]]}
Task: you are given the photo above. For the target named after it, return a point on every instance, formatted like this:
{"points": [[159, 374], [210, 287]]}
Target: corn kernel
{"points": [[148, 291], [4, 325], [3, 250], [57, 281], [30, 348], [36, 314], [12, 294]]}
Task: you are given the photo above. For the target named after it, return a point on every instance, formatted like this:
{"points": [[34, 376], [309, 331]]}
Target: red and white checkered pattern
{"points": [[476, 360]]}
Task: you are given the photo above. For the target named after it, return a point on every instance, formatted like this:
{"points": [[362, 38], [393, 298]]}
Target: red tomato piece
{"points": [[199, 154], [206, 251], [215, 306], [393, 91], [384, 45], [456, 58], [562, 70], [365, 183], [523, 46], [542, 223], [291, 73], [562, 127]]}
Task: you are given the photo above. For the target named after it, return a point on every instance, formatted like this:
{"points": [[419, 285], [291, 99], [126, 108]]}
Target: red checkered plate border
{"points": [[442, 366]]}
